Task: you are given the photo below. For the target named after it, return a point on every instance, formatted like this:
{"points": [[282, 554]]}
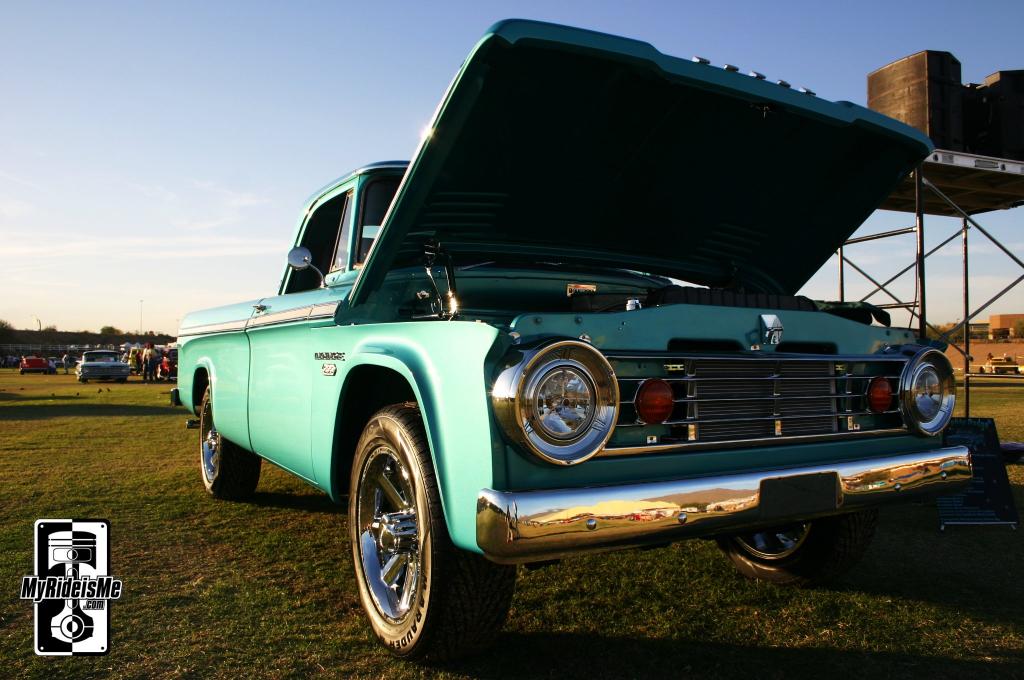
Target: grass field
{"points": [[264, 588]]}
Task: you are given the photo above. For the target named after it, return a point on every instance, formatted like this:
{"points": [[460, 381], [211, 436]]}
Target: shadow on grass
{"points": [[314, 502], [583, 655], [15, 396], [82, 410], [946, 572]]}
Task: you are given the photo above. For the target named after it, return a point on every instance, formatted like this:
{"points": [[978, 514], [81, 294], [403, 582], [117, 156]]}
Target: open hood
{"points": [[564, 145]]}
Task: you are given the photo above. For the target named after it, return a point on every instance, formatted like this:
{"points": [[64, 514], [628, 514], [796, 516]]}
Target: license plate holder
{"points": [[799, 496]]}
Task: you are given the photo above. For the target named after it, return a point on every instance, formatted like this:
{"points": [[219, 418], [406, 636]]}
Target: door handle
{"points": [[259, 308]]}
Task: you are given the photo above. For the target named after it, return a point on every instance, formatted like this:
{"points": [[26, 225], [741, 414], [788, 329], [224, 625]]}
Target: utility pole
{"points": [[140, 317]]}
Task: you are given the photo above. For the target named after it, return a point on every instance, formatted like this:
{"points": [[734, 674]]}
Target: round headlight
{"points": [[928, 392], [563, 402], [560, 401]]}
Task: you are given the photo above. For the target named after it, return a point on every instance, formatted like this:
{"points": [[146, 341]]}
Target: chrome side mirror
{"points": [[300, 258]]}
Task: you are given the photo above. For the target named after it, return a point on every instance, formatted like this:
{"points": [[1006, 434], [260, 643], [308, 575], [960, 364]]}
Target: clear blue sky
{"points": [[161, 151]]}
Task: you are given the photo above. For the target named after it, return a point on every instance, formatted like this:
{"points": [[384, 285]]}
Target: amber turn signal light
{"points": [[654, 401], [879, 395]]}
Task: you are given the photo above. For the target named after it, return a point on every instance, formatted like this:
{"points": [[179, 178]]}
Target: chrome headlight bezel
{"points": [[515, 393], [924, 363]]}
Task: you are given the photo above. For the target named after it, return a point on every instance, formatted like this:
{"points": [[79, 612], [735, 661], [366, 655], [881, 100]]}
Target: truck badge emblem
{"points": [[329, 356], [771, 329], [329, 369]]}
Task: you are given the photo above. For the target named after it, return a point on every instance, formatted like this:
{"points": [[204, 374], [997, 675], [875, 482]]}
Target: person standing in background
{"points": [[147, 362], [65, 360], [154, 361]]}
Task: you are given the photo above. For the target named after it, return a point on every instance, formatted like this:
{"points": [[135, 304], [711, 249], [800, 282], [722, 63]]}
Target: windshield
{"points": [[99, 357]]}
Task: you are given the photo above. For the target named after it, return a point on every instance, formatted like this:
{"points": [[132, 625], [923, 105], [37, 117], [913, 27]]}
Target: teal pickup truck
{"points": [[570, 324]]}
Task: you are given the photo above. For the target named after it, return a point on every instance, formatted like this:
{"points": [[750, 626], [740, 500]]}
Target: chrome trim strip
{"points": [[763, 356], [774, 397], [323, 310], [284, 316], [683, 447], [774, 378], [530, 526], [748, 419], [223, 327]]}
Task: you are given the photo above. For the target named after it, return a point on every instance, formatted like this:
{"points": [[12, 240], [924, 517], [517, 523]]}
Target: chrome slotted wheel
{"points": [[776, 543], [389, 534], [210, 445]]}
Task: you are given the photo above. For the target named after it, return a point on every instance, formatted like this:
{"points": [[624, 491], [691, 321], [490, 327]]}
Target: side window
{"points": [[377, 198], [341, 247], [321, 237]]}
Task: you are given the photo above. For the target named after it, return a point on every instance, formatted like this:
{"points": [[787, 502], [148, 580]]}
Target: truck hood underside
{"points": [[564, 145]]}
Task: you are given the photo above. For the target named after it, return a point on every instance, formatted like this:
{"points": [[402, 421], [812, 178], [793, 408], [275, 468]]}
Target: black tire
{"points": [[458, 601], [829, 548], [228, 471]]}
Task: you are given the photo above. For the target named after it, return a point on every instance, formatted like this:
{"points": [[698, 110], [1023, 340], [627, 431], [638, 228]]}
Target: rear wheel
{"points": [[803, 553], [424, 597], [228, 471]]}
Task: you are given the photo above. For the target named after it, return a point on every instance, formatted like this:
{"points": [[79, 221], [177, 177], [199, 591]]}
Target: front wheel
{"points": [[805, 553], [228, 471], [424, 597]]}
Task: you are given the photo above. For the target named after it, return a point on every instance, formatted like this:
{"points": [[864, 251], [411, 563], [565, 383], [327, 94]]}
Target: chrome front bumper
{"points": [[531, 526]]}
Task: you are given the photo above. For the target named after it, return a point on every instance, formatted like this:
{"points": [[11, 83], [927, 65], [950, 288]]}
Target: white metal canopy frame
{"points": [[949, 184]]}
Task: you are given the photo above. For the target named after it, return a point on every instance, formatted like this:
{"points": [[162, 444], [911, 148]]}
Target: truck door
{"points": [[280, 343]]}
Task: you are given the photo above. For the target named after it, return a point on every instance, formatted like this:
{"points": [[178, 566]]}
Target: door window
{"points": [[376, 200], [323, 236]]}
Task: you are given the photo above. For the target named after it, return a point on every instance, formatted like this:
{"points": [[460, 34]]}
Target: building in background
{"points": [[980, 330], [1006, 327]]}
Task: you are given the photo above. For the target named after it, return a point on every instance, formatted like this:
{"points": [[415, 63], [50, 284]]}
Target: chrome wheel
{"points": [[210, 447], [389, 535], [776, 543]]}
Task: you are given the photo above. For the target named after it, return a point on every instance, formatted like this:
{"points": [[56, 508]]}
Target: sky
{"points": [[154, 156]]}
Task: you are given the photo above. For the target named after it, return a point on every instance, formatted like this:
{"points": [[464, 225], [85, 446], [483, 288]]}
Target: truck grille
{"points": [[753, 398]]}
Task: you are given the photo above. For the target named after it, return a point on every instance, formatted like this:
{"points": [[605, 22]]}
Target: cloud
{"points": [[13, 208], [204, 224], [150, 247], [230, 197], [979, 247], [6, 176], [154, 191], [229, 206]]}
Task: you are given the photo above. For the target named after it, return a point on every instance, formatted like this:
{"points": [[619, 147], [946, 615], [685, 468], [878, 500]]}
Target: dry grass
{"points": [[265, 588]]}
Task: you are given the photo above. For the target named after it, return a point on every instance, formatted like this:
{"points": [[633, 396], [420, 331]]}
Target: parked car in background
{"points": [[1004, 365], [571, 325], [167, 369], [33, 364], [102, 365]]}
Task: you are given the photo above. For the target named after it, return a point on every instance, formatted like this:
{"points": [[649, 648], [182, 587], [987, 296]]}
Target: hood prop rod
{"points": [[432, 252]]}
